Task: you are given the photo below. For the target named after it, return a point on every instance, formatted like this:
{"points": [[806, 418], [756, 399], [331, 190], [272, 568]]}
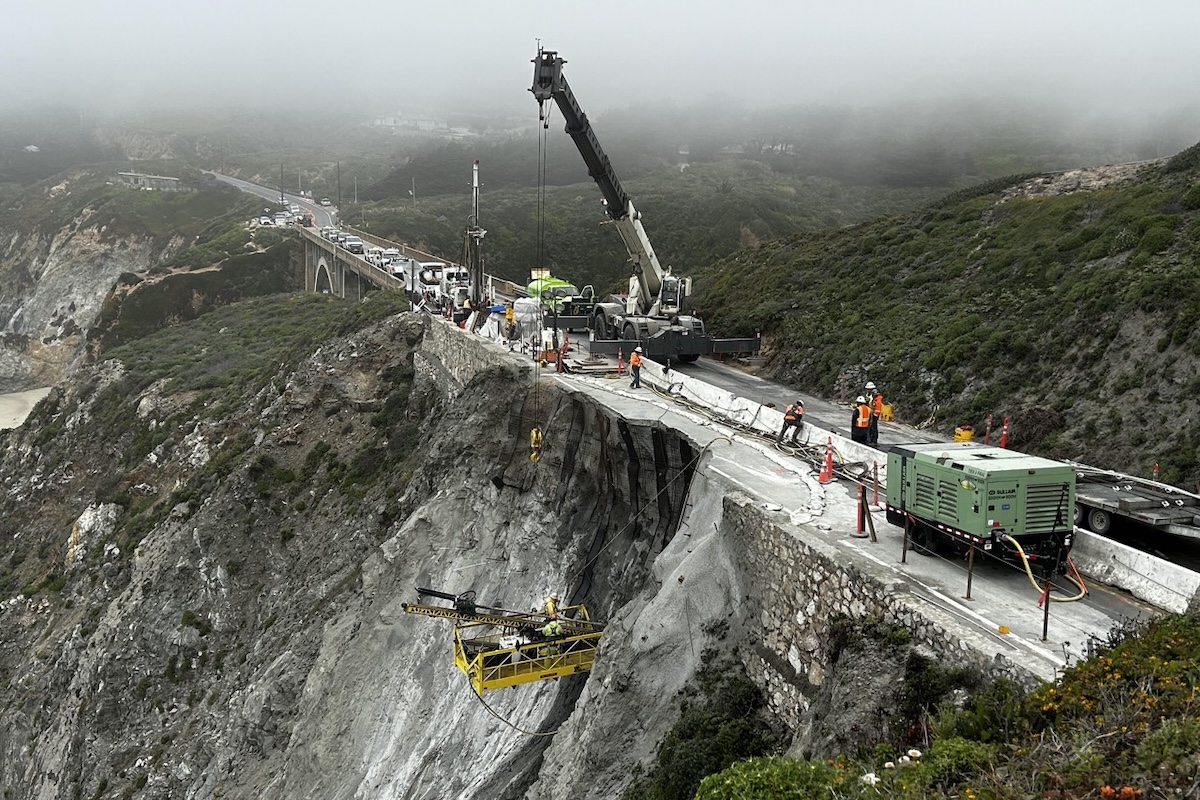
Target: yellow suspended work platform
{"points": [[498, 649]]}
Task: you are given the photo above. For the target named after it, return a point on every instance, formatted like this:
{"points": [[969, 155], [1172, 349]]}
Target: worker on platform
{"points": [[860, 422], [793, 420], [551, 631], [875, 401], [551, 607], [635, 368]]}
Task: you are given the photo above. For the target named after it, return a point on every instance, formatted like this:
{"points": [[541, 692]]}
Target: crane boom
{"points": [[646, 294]]}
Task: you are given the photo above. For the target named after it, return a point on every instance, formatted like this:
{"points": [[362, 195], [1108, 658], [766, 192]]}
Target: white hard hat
{"points": [[637, 349], [861, 399], [870, 385], [554, 595]]}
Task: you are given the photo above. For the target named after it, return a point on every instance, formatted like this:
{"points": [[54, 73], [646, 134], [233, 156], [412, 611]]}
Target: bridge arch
{"points": [[323, 281]]}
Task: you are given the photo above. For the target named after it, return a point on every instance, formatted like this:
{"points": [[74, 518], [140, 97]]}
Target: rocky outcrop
{"points": [[240, 634], [52, 287]]}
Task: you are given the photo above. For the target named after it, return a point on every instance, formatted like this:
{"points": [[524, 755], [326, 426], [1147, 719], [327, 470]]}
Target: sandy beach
{"points": [[15, 407]]}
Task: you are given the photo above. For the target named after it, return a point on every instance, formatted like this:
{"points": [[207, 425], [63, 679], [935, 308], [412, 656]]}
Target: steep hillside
{"points": [[66, 242], [693, 216], [208, 538], [1067, 302]]}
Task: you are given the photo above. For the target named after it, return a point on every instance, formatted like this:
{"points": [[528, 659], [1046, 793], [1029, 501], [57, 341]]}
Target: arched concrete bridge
{"points": [[334, 270]]}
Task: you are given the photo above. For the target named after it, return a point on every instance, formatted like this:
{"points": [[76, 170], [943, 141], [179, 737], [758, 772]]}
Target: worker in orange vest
{"points": [[875, 400], [860, 423], [635, 368], [793, 419]]}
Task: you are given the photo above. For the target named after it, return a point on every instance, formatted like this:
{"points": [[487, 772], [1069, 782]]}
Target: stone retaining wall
{"points": [[801, 588], [451, 358]]}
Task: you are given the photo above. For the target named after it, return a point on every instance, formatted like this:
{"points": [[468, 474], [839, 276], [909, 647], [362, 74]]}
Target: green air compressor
{"points": [[953, 495]]}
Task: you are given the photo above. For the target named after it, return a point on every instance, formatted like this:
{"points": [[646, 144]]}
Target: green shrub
{"points": [[773, 778], [719, 730], [1155, 240], [949, 761], [1191, 200]]}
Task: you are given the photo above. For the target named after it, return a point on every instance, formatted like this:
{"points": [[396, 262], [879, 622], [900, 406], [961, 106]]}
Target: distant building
{"points": [[161, 183]]}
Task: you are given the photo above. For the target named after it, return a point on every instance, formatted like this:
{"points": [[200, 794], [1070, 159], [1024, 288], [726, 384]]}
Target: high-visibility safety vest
{"points": [[635, 360], [793, 413], [877, 405], [551, 608], [863, 418]]}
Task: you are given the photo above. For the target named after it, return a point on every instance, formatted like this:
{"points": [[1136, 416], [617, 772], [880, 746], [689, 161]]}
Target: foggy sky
{"points": [[1124, 56]]}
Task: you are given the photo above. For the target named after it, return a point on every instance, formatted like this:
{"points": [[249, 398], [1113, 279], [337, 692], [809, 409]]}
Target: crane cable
{"points": [[1076, 579], [536, 434], [516, 728]]}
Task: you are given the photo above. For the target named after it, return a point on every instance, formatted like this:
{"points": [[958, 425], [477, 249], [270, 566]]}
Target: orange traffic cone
{"points": [[827, 467]]}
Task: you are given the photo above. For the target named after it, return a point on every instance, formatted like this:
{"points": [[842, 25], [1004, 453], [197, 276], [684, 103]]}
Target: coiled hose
{"points": [[1073, 576]]}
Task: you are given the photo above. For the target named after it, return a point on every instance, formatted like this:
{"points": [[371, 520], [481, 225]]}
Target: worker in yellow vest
{"points": [[635, 368], [860, 422], [551, 607]]}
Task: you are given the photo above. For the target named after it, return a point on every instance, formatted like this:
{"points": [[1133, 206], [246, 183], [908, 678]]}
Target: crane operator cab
{"points": [[674, 290]]}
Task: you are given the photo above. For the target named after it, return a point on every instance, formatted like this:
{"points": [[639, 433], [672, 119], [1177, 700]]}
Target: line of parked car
{"points": [[347, 241], [434, 282]]}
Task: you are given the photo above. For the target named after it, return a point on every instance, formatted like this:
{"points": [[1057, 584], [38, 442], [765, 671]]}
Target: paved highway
{"points": [[322, 217]]}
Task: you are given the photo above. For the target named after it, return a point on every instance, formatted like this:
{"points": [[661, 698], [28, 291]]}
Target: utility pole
{"points": [[413, 191], [281, 198], [355, 190], [339, 184]]}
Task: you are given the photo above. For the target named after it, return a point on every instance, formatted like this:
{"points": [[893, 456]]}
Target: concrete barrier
{"points": [[1146, 577], [768, 421]]}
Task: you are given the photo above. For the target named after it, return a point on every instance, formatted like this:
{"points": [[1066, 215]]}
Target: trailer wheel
{"points": [[1100, 521], [1080, 516], [921, 540]]}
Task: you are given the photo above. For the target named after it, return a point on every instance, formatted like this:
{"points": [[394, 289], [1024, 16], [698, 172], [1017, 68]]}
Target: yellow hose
{"points": [[1025, 560]]}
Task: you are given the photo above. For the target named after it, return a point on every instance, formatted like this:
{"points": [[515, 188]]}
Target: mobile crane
{"points": [[496, 648], [652, 313]]}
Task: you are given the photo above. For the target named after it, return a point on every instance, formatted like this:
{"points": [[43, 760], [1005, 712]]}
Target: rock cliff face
{"points": [[227, 620], [53, 282], [204, 598]]}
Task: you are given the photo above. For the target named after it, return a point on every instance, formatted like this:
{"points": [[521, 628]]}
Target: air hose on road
{"points": [[1073, 575]]}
